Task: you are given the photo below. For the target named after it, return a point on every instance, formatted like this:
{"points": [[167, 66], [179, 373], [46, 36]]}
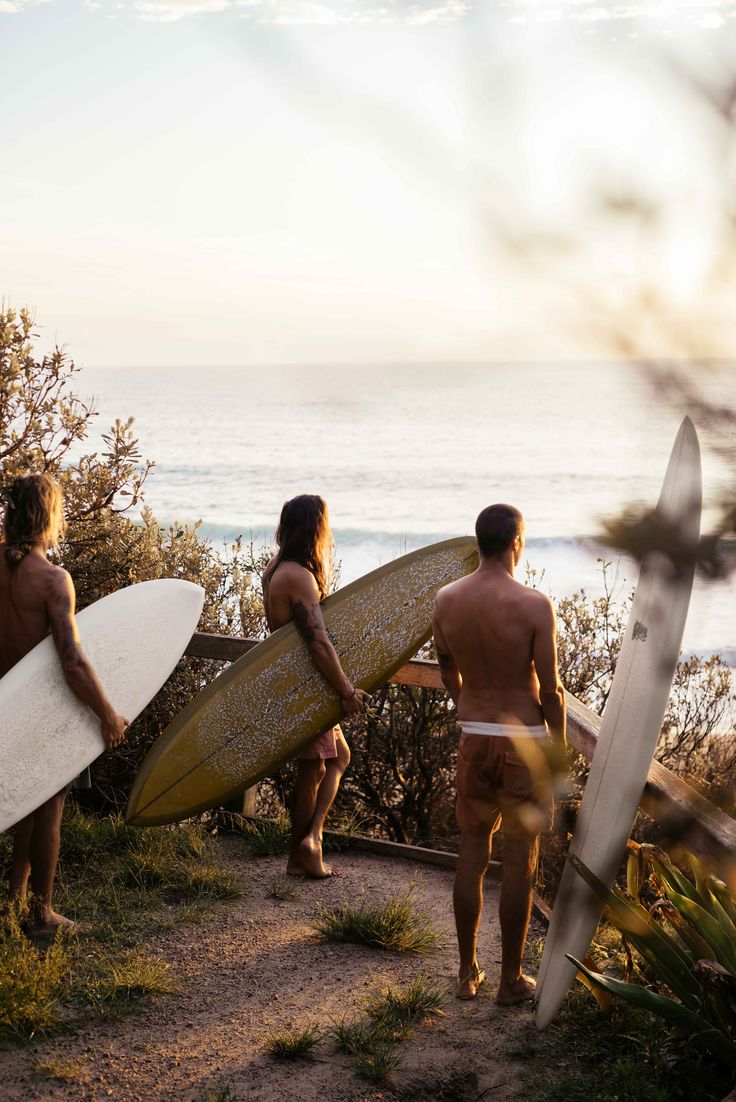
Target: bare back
{"points": [[500, 636], [278, 586], [24, 605]]}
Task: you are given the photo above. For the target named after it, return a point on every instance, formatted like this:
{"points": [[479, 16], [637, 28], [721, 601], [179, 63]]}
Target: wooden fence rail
{"points": [[682, 811]]}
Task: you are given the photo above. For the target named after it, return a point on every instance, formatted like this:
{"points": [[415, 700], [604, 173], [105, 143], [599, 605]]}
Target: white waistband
{"points": [[503, 730]]}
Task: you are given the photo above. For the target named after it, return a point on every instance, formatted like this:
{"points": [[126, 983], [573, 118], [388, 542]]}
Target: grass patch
{"points": [[128, 883], [211, 882], [33, 980], [359, 1036], [293, 1044], [66, 1071], [408, 1005], [379, 1065], [372, 1042], [267, 837], [397, 925], [135, 977]]}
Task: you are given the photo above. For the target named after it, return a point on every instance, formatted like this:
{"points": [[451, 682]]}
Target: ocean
{"points": [[405, 455]]}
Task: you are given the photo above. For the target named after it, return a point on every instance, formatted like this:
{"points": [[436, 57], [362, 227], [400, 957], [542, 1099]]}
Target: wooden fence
{"points": [[682, 811]]}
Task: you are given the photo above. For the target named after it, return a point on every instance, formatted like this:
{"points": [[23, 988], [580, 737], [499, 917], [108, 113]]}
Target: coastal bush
{"points": [[113, 539]]}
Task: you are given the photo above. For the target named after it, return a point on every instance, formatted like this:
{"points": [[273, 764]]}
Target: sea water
{"points": [[406, 455]]}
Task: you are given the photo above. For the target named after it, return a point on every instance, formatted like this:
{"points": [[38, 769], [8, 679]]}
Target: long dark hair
{"points": [[304, 536], [34, 513]]}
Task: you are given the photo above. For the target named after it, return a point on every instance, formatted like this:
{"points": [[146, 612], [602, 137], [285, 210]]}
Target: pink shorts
{"points": [[324, 746]]}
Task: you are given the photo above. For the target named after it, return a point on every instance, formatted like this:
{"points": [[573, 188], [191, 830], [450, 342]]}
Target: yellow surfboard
{"points": [[273, 701]]}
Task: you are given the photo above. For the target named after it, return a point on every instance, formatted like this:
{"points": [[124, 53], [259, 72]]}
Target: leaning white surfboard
{"points": [[133, 638], [631, 723]]}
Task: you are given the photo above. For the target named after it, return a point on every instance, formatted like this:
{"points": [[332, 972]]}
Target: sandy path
{"points": [[254, 965]]}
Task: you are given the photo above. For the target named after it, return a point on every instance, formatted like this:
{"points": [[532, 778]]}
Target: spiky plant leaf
{"points": [[691, 1022], [706, 925], [661, 951]]}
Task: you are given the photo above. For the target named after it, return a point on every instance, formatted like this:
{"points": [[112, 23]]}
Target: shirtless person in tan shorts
{"points": [[294, 583], [37, 598], [496, 646]]}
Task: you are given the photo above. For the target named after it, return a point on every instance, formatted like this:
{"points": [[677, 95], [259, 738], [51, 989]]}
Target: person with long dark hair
{"points": [[36, 598], [295, 582]]}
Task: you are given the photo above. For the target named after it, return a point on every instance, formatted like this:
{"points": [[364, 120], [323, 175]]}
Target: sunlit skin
{"points": [[37, 598], [291, 593], [496, 646]]}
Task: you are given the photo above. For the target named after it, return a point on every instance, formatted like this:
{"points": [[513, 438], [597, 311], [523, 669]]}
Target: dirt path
{"points": [[254, 965]]}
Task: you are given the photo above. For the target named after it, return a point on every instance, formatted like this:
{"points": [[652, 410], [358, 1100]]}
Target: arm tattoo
{"points": [[444, 659], [308, 621], [62, 629], [64, 636]]}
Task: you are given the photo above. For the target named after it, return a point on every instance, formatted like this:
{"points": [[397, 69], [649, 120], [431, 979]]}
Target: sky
{"points": [[203, 182]]}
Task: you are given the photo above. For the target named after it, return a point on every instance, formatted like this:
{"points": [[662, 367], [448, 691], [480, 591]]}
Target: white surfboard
{"points": [[631, 723], [133, 638]]}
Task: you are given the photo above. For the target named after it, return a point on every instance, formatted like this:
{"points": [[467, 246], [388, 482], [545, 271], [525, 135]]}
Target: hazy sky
{"points": [[248, 181]]}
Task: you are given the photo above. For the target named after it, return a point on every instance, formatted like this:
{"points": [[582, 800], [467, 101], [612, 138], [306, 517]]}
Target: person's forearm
{"points": [[83, 681], [553, 710], [328, 663]]}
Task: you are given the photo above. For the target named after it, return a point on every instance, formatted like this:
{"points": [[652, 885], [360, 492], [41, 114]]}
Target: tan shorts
{"points": [[324, 746], [524, 803]]}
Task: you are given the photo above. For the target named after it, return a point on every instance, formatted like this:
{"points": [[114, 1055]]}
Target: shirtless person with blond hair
{"points": [[497, 651], [295, 582], [37, 598]]}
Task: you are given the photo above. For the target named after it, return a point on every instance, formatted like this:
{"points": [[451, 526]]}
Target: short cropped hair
{"points": [[496, 529]]}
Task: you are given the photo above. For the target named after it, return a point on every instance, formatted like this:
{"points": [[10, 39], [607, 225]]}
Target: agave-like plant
{"points": [[687, 942]]}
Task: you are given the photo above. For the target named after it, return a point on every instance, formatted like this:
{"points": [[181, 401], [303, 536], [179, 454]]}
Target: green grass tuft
{"points": [[32, 981], [267, 837], [135, 977], [358, 1036], [397, 925], [405, 1006], [293, 1044], [211, 882], [378, 1065]]}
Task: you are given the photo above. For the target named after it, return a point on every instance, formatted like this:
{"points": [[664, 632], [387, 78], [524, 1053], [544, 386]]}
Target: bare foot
{"points": [[47, 924], [467, 985], [509, 994], [294, 867], [310, 855]]}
